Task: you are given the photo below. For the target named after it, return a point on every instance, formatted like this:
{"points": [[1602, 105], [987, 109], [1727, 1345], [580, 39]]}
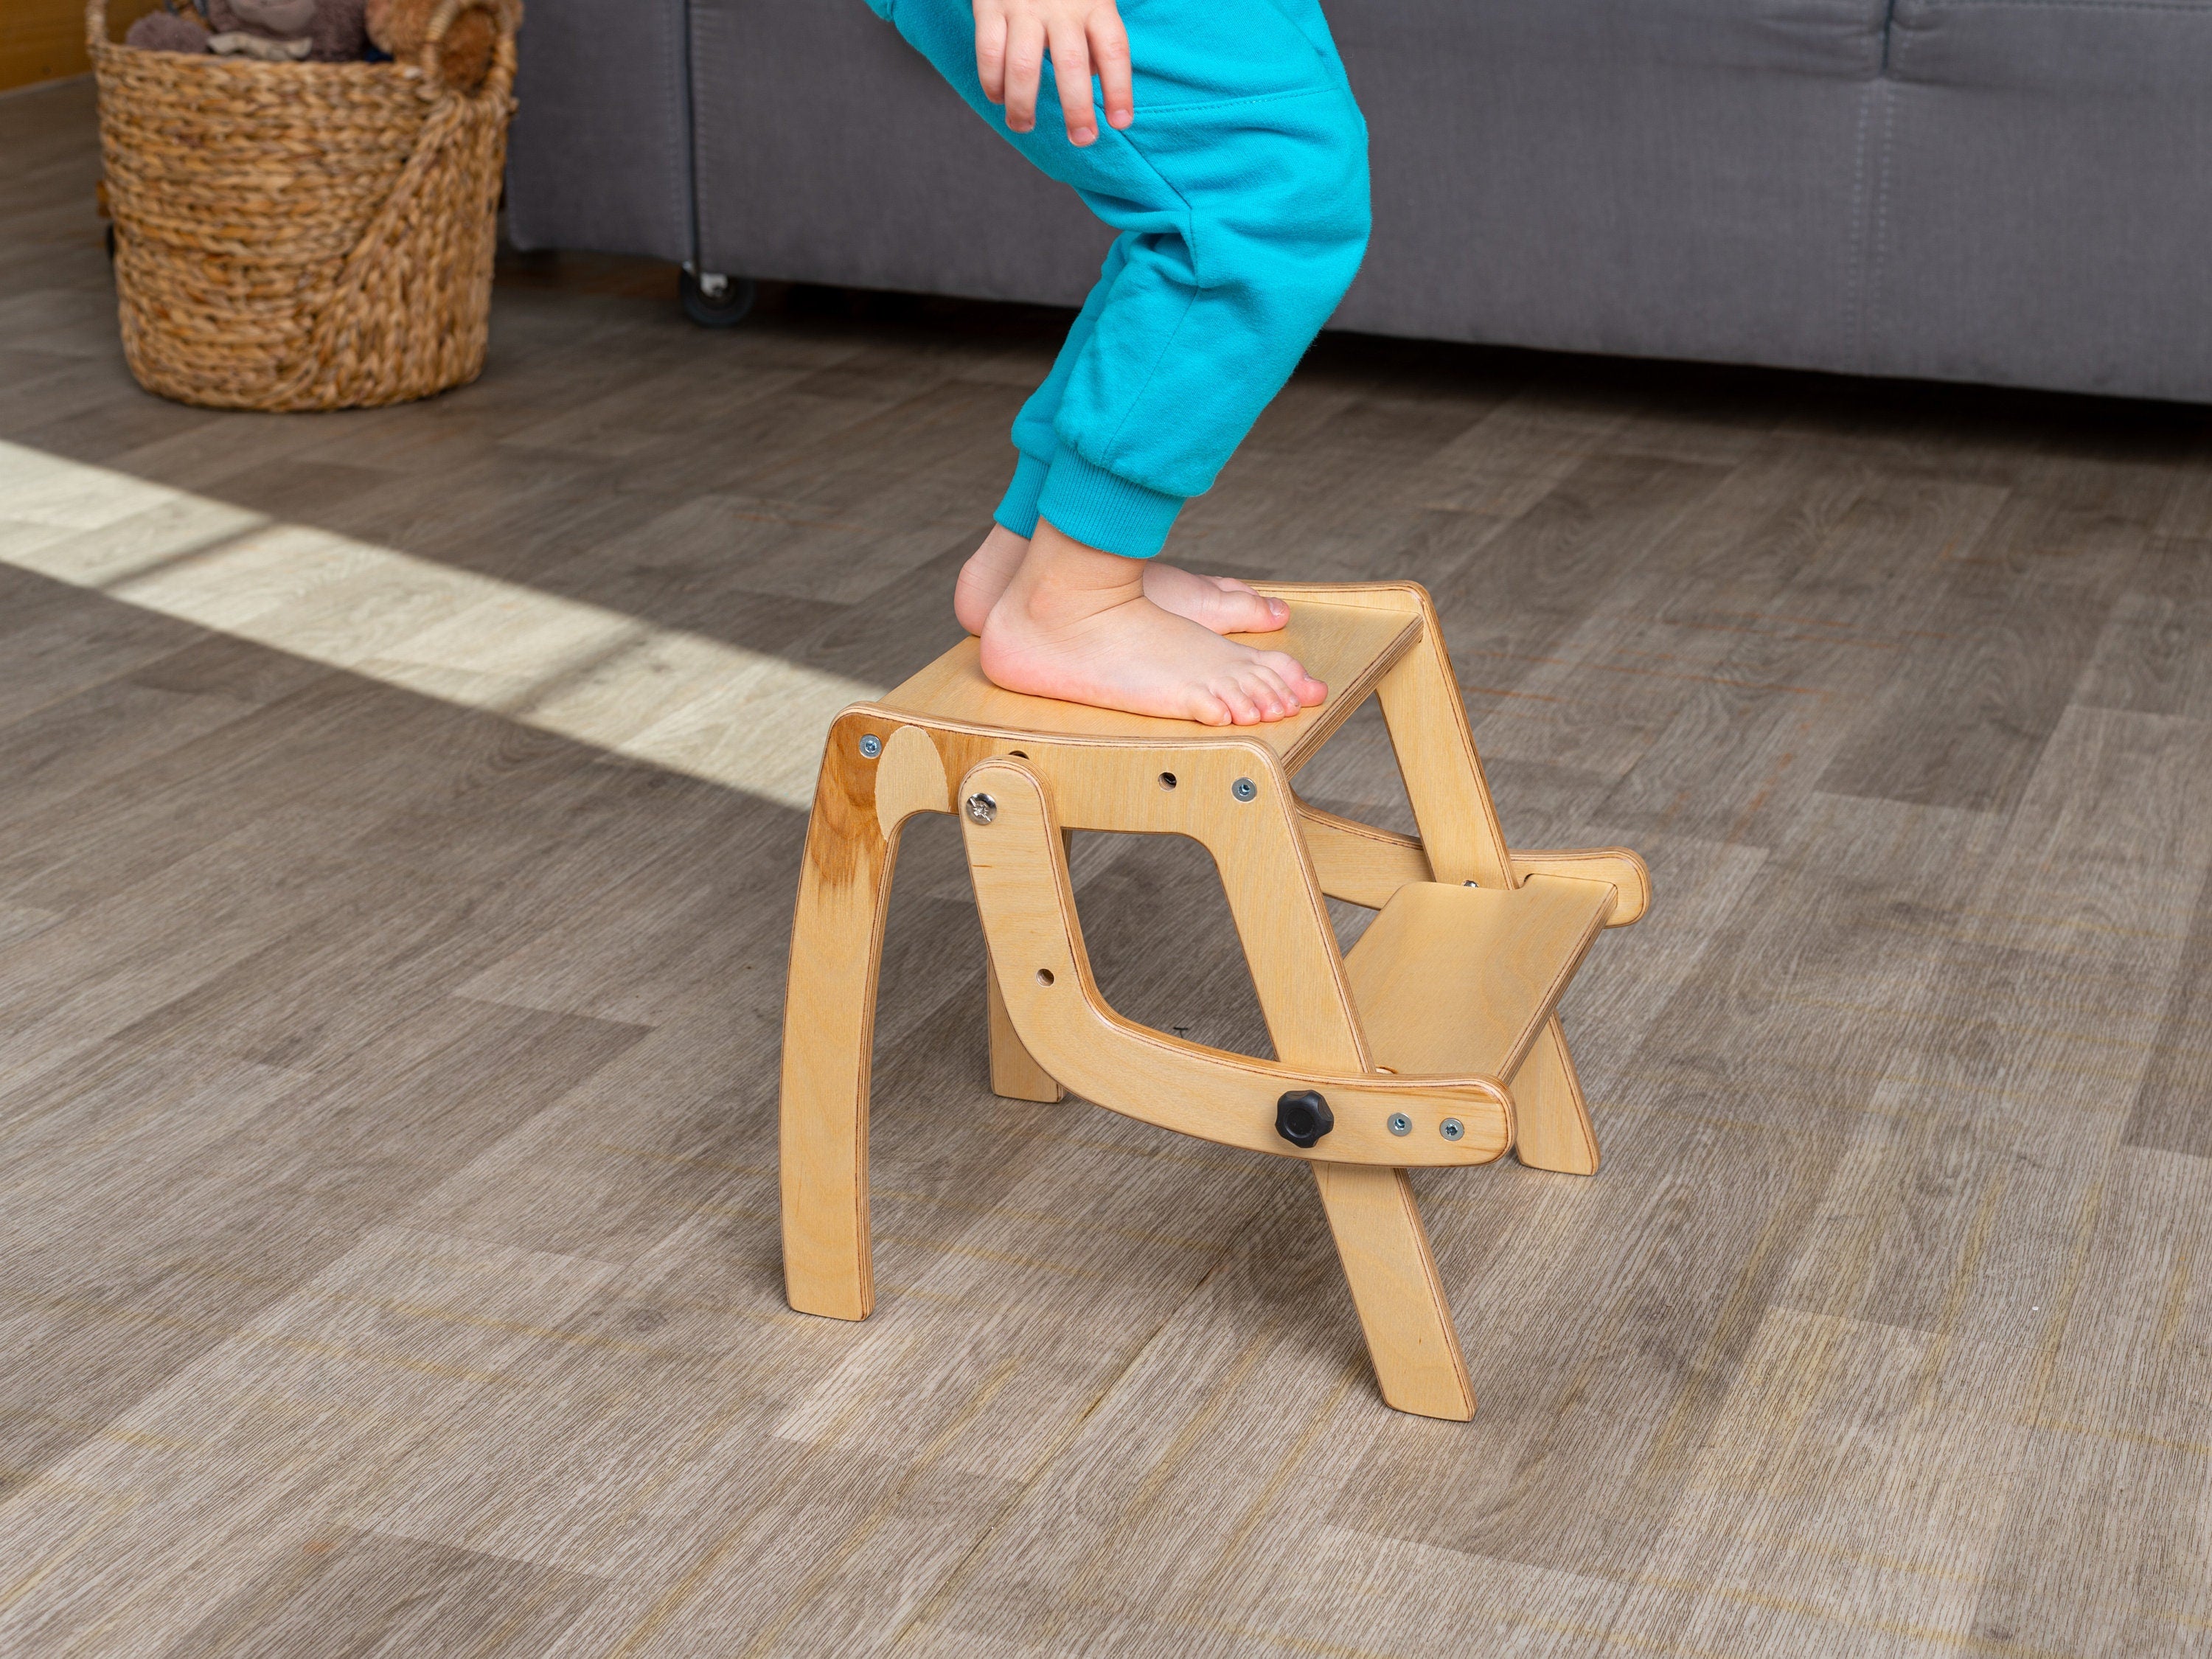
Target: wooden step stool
{"points": [[1433, 1043]]}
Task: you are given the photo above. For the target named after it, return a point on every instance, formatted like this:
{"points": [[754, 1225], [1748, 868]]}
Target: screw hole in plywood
{"points": [[1044, 975]]}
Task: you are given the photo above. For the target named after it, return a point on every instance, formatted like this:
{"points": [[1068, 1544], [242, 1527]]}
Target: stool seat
{"points": [[1347, 636], [1436, 1042]]}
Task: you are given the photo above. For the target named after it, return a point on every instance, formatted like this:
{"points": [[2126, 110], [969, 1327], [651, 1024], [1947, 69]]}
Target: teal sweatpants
{"points": [[1241, 198]]}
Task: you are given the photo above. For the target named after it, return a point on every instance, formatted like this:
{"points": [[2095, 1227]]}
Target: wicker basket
{"points": [[302, 235]]}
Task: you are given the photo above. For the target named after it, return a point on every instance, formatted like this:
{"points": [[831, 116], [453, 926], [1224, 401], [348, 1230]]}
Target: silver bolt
{"points": [[981, 809], [1470, 883], [1451, 1128], [1400, 1124], [871, 746], [1244, 789]]}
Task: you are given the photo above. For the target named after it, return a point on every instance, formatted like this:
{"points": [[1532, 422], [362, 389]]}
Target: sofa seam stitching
{"points": [[688, 113], [1878, 238], [1851, 300]]}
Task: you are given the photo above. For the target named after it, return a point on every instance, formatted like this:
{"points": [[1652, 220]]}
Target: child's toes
{"points": [[1271, 691], [1275, 610], [1304, 687], [1240, 611], [1243, 707]]}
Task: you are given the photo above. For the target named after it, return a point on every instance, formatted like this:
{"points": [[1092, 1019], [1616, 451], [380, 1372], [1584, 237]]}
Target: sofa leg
{"points": [[714, 298]]}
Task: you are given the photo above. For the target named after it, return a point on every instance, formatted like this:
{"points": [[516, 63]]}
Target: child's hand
{"points": [[1011, 38]]}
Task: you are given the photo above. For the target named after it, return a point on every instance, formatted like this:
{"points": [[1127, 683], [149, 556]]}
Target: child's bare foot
{"points": [[1221, 603], [1078, 624], [985, 576]]}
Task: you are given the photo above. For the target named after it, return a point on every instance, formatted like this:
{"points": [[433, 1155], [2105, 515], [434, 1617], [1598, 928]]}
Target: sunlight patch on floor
{"points": [[674, 699]]}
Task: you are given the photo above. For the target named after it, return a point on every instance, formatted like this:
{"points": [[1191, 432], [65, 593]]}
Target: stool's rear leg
{"points": [[1385, 1250], [1551, 1118], [828, 1033], [1015, 1074]]}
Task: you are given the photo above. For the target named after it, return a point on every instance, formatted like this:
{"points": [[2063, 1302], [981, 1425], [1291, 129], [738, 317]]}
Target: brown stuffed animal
{"points": [[401, 26], [321, 31]]}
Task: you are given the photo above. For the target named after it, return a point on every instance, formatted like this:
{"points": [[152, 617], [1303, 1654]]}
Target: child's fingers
{"points": [[1110, 57], [991, 51], [1071, 69], [1025, 62]]}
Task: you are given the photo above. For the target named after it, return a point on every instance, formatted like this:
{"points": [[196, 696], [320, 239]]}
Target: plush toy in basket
{"points": [[401, 28], [274, 31], [301, 222], [319, 32]]}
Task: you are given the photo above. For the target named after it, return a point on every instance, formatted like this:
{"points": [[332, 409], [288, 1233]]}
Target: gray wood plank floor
{"points": [[396, 840]]}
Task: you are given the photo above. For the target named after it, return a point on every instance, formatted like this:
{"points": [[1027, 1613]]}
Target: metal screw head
{"points": [[1244, 789], [1451, 1128], [871, 746], [1400, 1124], [981, 809]]}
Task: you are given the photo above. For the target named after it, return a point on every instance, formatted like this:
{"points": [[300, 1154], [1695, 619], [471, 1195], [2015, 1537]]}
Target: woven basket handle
{"points": [[96, 24], [504, 16]]}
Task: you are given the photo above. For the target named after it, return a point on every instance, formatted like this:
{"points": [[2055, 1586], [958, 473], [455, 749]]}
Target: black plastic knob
{"points": [[1303, 1117]]}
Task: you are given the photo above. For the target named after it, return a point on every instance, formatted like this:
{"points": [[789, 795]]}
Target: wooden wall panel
{"points": [[43, 40]]}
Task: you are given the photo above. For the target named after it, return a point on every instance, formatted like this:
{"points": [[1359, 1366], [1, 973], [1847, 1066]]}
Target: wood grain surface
{"points": [[43, 40], [401, 815]]}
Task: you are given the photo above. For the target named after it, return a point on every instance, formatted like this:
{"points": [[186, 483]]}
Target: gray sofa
{"points": [[2015, 191]]}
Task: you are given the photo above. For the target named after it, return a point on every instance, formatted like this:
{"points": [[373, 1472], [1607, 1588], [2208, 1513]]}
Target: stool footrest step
{"points": [[1459, 981]]}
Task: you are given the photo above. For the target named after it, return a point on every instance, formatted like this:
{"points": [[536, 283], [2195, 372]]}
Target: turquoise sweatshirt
{"points": [[1241, 198]]}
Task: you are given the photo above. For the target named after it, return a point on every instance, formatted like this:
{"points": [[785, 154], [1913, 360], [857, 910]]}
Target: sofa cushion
{"points": [[1678, 178], [1801, 37], [829, 150], [2046, 196], [2126, 48], [599, 156]]}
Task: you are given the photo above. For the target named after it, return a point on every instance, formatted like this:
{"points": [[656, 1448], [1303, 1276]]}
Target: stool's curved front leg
{"points": [[828, 1034]]}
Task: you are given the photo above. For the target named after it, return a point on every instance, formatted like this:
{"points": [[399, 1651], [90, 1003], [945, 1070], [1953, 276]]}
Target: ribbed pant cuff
{"points": [[1018, 508], [1103, 510]]}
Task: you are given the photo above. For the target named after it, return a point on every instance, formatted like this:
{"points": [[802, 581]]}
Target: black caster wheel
{"points": [[714, 301]]}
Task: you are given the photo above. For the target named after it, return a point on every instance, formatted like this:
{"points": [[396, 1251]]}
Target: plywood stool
{"points": [[1434, 1041]]}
